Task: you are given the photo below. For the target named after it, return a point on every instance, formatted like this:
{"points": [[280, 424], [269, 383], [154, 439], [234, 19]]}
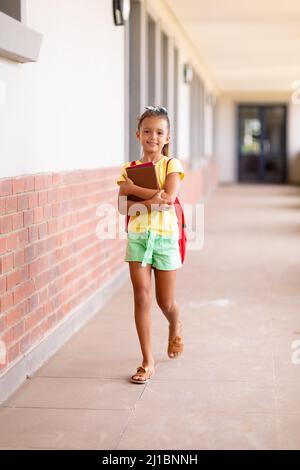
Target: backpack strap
{"points": [[168, 165], [181, 222]]}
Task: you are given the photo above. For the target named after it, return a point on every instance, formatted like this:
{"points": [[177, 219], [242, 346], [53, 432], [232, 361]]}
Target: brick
{"points": [[34, 318], [25, 343], [33, 301], [24, 273], [37, 215], [23, 291], [19, 258], [43, 297], [28, 288], [13, 316], [43, 230], [42, 198], [2, 284], [29, 183], [18, 185], [11, 204], [18, 221], [2, 205], [23, 236], [13, 353], [6, 263], [57, 179], [23, 184], [34, 268], [6, 224], [3, 324], [52, 196], [47, 212], [51, 321], [6, 187], [32, 200], [7, 301], [30, 253], [3, 245], [52, 226], [22, 202], [18, 330], [42, 181], [33, 233], [67, 192], [56, 211], [13, 279], [12, 241], [28, 217]]}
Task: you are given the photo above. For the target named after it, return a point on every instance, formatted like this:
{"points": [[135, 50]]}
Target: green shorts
{"points": [[161, 251]]}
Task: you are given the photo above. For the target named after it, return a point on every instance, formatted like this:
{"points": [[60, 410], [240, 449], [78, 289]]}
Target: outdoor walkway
{"points": [[235, 386]]}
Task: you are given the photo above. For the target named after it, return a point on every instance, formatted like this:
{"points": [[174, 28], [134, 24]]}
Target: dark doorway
{"points": [[262, 143]]}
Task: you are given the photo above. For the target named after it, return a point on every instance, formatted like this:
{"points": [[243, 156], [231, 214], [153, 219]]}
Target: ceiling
{"points": [[248, 45]]}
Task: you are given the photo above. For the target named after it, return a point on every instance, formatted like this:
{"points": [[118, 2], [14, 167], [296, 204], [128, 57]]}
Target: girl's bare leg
{"points": [[141, 282], [165, 282]]}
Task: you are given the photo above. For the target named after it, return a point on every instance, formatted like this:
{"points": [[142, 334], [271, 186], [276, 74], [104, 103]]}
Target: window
{"points": [[18, 42], [11, 8]]}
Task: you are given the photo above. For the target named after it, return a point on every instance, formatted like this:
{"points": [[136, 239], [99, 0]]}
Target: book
{"points": [[143, 175]]}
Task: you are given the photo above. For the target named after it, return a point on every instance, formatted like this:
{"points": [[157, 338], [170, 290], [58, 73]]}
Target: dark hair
{"points": [[156, 111]]}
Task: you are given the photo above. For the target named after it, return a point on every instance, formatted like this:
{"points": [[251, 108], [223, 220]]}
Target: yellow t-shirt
{"points": [[160, 222]]}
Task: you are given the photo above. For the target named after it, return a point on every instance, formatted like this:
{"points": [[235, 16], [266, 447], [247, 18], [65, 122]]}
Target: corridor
{"points": [[234, 387]]}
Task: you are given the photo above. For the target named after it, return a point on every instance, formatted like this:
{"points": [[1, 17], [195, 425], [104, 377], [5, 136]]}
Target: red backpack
{"points": [[180, 218]]}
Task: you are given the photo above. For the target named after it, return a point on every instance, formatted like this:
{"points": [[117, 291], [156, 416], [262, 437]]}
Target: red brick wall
{"points": [[50, 256], [199, 183]]}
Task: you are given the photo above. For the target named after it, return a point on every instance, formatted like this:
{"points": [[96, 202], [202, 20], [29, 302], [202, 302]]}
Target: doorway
{"points": [[262, 143]]}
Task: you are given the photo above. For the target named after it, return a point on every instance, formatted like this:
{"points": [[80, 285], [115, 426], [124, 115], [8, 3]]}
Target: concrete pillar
{"points": [[138, 54]]}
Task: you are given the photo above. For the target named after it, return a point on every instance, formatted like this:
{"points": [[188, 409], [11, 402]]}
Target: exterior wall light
{"points": [[188, 73], [121, 10]]}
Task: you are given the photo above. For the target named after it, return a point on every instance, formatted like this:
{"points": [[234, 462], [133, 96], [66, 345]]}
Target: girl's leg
{"points": [[165, 282], [141, 282]]}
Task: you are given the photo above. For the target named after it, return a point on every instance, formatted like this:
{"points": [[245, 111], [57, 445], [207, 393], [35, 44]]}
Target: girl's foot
{"points": [[175, 346], [144, 373]]}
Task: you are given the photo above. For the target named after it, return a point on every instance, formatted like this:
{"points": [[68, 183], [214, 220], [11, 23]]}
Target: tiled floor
{"points": [[235, 386]]}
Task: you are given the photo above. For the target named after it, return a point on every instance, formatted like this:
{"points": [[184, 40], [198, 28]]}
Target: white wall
{"points": [[225, 140], [67, 110]]}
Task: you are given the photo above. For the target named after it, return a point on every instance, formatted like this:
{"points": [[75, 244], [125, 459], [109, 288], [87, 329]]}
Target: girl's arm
{"points": [[124, 206], [129, 188], [171, 188]]}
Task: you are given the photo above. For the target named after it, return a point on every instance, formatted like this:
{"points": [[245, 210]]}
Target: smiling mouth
{"points": [[152, 143]]}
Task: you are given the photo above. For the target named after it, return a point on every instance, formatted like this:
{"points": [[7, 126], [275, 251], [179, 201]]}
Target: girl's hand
{"points": [[160, 200], [127, 185], [166, 197]]}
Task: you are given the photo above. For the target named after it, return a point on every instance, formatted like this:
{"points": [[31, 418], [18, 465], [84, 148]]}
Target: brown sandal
{"points": [[143, 372], [176, 345]]}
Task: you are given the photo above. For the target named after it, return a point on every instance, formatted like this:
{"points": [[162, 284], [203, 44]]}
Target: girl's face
{"points": [[153, 134]]}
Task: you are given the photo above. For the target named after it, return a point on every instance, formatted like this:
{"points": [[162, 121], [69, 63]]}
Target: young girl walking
{"points": [[152, 238]]}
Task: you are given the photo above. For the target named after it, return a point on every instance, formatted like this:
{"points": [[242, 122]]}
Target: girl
{"points": [[152, 239]]}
